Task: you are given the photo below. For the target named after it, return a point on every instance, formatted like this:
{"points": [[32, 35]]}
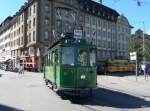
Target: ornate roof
{"points": [[99, 10]]}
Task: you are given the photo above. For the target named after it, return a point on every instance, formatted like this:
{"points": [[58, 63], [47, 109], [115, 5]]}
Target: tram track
{"points": [[107, 99]]}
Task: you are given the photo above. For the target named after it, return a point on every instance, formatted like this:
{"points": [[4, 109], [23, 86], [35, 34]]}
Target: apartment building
{"points": [[123, 36], [5, 48], [41, 22], [101, 25]]}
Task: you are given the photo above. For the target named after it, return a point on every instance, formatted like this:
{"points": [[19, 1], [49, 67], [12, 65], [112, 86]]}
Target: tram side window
{"points": [[92, 57], [56, 56], [68, 57], [82, 57], [53, 58], [48, 59]]}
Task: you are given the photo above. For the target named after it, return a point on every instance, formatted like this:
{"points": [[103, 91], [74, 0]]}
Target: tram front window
{"points": [[68, 56], [82, 57], [92, 57]]}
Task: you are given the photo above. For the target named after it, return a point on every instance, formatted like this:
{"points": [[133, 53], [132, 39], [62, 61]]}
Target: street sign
{"points": [[133, 56], [143, 67], [77, 34]]}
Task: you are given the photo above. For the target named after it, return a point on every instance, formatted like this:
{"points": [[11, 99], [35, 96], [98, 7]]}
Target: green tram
{"points": [[70, 66]]}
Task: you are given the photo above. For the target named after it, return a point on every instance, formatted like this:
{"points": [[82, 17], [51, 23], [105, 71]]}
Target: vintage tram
{"points": [[70, 66]]}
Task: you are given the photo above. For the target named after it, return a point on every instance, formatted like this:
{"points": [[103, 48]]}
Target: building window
{"points": [[34, 8], [94, 32], [99, 23], [29, 37], [22, 28], [87, 19], [93, 21], [29, 12], [46, 22], [33, 21], [19, 30], [33, 35], [87, 31], [58, 27], [22, 17], [19, 19], [46, 34], [29, 24], [14, 43], [14, 34], [58, 14], [21, 40], [46, 8], [99, 33], [81, 18], [109, 44]]}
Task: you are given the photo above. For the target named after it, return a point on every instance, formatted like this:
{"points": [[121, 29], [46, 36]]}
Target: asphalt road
{"points": [[29, 93]]}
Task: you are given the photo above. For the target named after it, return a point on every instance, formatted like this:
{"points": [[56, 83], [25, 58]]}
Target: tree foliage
{"points": [[137, 46]]}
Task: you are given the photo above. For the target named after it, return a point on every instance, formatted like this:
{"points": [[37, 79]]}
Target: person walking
{"points": [[21, 69]]}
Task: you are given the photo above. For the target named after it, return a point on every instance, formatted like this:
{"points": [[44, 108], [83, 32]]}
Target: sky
{"points": [[135, 14]]}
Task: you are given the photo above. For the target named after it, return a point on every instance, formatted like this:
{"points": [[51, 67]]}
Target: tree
{"points": [[147, 51], [136, 45]]}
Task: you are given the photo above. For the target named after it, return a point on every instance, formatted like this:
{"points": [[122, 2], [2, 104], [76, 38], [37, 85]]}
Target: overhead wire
{"points": [[141, 2]]}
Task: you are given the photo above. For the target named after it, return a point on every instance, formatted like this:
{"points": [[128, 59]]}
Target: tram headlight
{"points": [[83, 77]]}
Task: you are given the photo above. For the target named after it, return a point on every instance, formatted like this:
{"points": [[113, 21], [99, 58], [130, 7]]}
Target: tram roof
{"points": [[70, 40]]}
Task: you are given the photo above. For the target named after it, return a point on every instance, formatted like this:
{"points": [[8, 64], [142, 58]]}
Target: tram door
{"points": [[68, 73]]}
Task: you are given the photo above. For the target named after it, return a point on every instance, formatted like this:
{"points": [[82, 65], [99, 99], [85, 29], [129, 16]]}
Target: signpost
{"points": [[133, 57]]}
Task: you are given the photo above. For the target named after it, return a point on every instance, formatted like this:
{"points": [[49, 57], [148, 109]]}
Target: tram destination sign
{"points": [[78, 34]]}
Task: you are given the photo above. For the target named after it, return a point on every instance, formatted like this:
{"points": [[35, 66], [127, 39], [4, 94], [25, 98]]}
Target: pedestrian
{"points": [[21, 69], [147, 73]]}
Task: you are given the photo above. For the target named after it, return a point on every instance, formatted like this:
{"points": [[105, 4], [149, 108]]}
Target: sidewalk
{"points": [[126, 84]]}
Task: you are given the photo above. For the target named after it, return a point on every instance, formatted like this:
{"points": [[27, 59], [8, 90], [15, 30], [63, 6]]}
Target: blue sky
{"points": [[136, 15], [9, 7]]}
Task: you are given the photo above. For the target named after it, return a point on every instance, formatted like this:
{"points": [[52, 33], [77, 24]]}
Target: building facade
{"points": [[41, 22], [5, 47]]}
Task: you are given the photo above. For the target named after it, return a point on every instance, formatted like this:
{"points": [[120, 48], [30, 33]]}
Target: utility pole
{"points": [[144, 50]]}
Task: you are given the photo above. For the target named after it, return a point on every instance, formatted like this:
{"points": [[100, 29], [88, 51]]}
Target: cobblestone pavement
{"points": [[114, 93]]}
